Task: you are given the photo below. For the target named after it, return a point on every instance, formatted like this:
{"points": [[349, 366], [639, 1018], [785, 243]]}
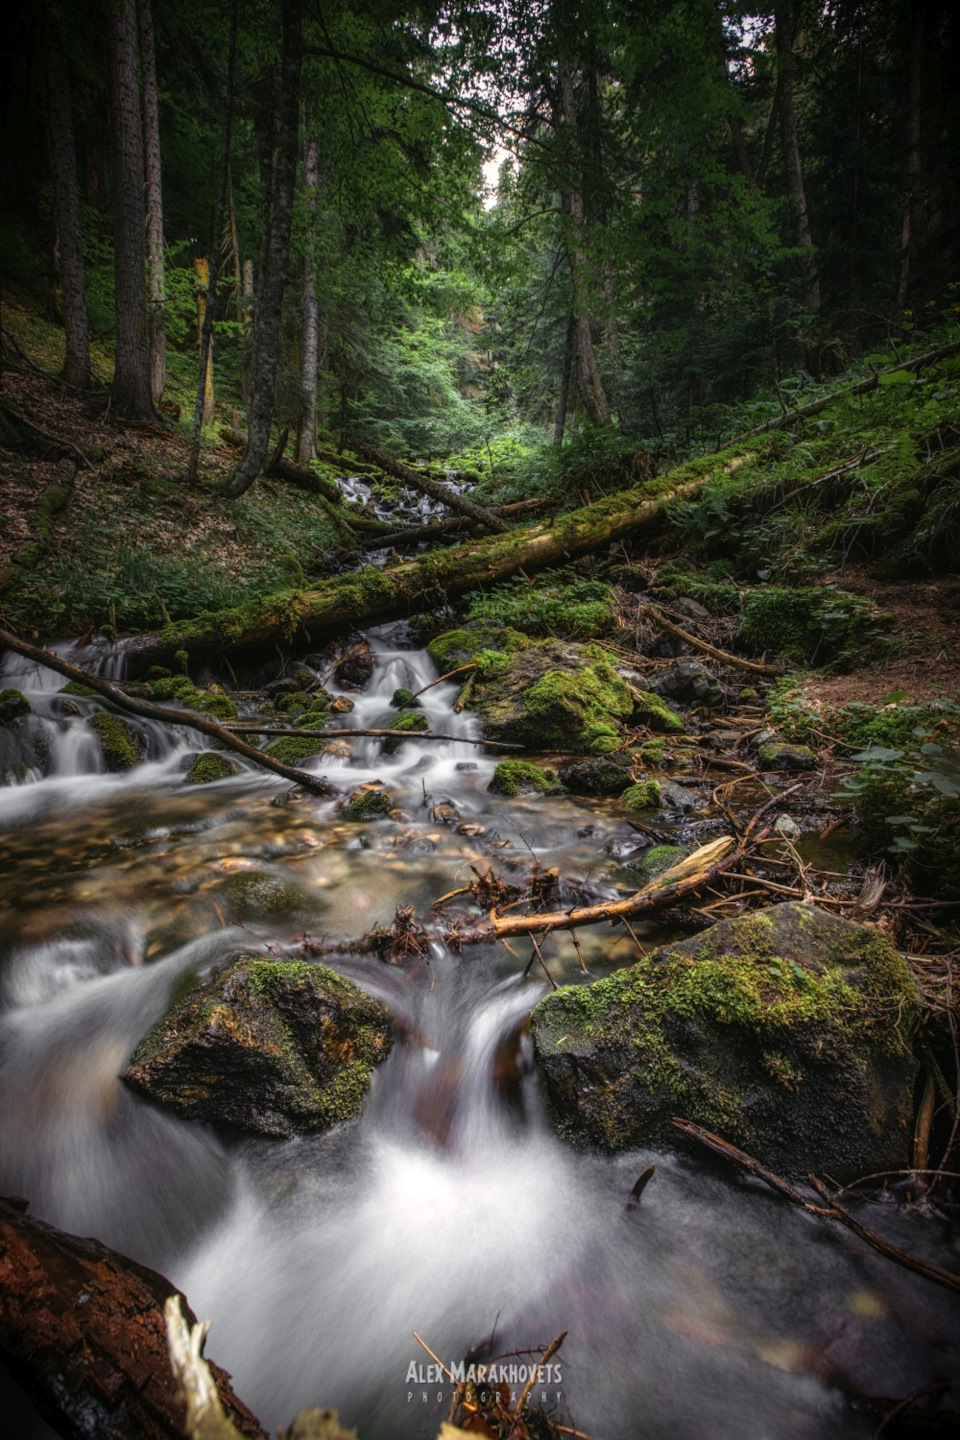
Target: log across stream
{"points": [[708, 1309]]}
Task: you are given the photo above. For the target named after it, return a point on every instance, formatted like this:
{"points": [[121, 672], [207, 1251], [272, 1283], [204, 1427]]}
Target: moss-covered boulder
{"points": [[552, 696], [653, 862], [367, 805], [775, 755], [602, 775], [786, 1031], [291, 749], [653, 711], [453, 648], [644, 796], [210, 766], [407, 722], [266, 1046], [520, 777], [121, 746], [207, 702], [13, 704]]}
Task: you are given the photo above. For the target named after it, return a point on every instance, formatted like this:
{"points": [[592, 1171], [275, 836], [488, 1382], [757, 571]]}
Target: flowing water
{"points": [[449, 1207]]}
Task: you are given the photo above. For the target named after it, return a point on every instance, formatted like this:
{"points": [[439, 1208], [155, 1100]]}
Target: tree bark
{"points": [[565, 380], [273, 279], [435, 490], [66, 199], [786, 26], [913, 154], [589, 385], [156, 288], [201, 268], [82, 1331], [131, 376], [310, 328], [411, 586]]}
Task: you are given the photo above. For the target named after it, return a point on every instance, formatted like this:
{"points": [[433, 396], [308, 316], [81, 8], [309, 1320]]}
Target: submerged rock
{"points": [[210, 766], [786, 1032], [606, 775], [271, 1047]]}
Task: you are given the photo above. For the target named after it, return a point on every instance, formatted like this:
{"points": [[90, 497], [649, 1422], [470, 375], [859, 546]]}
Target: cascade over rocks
{"points": [[787, 1031], [271, 1047]]}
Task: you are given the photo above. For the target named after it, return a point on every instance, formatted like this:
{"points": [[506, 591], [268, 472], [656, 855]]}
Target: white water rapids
{"points": [[710, 1312]]}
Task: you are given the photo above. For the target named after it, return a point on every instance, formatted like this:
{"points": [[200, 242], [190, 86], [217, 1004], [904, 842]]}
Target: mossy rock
{"points": [[553, 696], [520, 777], [367, 805], [777, 756], [403, 697], [606, 775], [77, 687], [656, 860], [270, 1047], [209, 702], [121, 746], [13, 704], [785, 1031], [406, 723], [653, 711], [291, 749], [653, 753], [814, 625], [453, 648], [210, 766], [293, 704], [645, 796]]}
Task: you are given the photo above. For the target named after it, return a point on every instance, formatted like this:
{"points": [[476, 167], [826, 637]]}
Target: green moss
{"points": [[658, 859], [645, 796], [13, 704], [209, 702], [453, 648], [181, 661], [210, 766], [158, 672], [407, 722], [293, 704], [816, 624], [654, 711], [52, 503], [76, 687], [122, 749], [291, 749], [519, 777], [588, 704], [653, 753], [403, 697], [367, 805]]}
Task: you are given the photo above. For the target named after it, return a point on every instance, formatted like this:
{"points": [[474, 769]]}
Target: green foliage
{"points": [[558, 604], [208, 767], [520, 777], [821, 625], [645, 796], [13, 704]]}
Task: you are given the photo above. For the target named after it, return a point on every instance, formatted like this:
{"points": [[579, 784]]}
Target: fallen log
{"points": [[435, 490], [298, 475], [148, 711], [254, 729], [374, 595], [82, 1331], [670, 628], [418, 534]]}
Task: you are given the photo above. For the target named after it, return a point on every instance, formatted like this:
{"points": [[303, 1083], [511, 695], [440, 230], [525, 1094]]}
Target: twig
{"points": [[433, 1357], [551, 1349], [907, 1401], [460, 670], [926, 1268], [737, 661]]}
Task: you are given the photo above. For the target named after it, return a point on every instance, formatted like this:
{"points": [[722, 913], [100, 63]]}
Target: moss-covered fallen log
{"points": [[371, 595], [82, 1330], [451, 498]]}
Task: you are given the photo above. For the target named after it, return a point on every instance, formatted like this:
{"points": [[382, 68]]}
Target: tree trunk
{"points": [[913, 154], [589, 385], [82, 1331], [131, 376], [785, 19], [201, 269], [203, 405], [310, 329], [565, 379], [414, 585], [156, 290], [266, 339], [66, 199]]}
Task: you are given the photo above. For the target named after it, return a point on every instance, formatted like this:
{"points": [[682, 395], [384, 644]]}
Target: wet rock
{"points": [[445, 813], [13, 704], [405, 697], [520, 777], [674, 796], [785, 1031], [690, 681], [407, 722], [210, 766], [68, 708], [367, 805], [343, 705], [776, 755], [761, 738], [121, 746], [337, 749], [252, 895], [786, 826], [645, 796], [292, 749], [274, 1048], [552, 696], [606, 775], [355, 670], [651, 710], [656, 860]]}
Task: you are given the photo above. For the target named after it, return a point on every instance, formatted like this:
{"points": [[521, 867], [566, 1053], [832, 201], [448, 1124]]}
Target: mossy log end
{"points": [[82, 1330], [370, 596]]}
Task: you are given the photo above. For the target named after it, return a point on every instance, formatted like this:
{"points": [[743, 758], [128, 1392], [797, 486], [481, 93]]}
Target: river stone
{"points": [[785, 1031], [674, 796], [778, 756], [266, 1046], [355, 670], [605, 775], [689, 680]]}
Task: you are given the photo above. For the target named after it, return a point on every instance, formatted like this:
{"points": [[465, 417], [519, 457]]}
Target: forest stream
{"points": [[449, 1207]]}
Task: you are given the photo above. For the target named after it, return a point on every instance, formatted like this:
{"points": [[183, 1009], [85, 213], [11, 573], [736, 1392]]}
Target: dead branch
{"points": [[148, 711], [253, 729], [22, 434], [453, 501], [663, 623], [460, 670]]}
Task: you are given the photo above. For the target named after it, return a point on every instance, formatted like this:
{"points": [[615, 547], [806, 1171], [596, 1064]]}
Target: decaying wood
{"points": [[298, 475], [253, 729], [149, 711], [406, 587], [82, 1331], [661, 621], [435, 490], [205, 1417], [416, 534], [830, 1210]]}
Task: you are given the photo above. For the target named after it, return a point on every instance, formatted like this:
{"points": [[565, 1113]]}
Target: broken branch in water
{"points": [[832, 1211], [148, 711], [460, 670]]}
